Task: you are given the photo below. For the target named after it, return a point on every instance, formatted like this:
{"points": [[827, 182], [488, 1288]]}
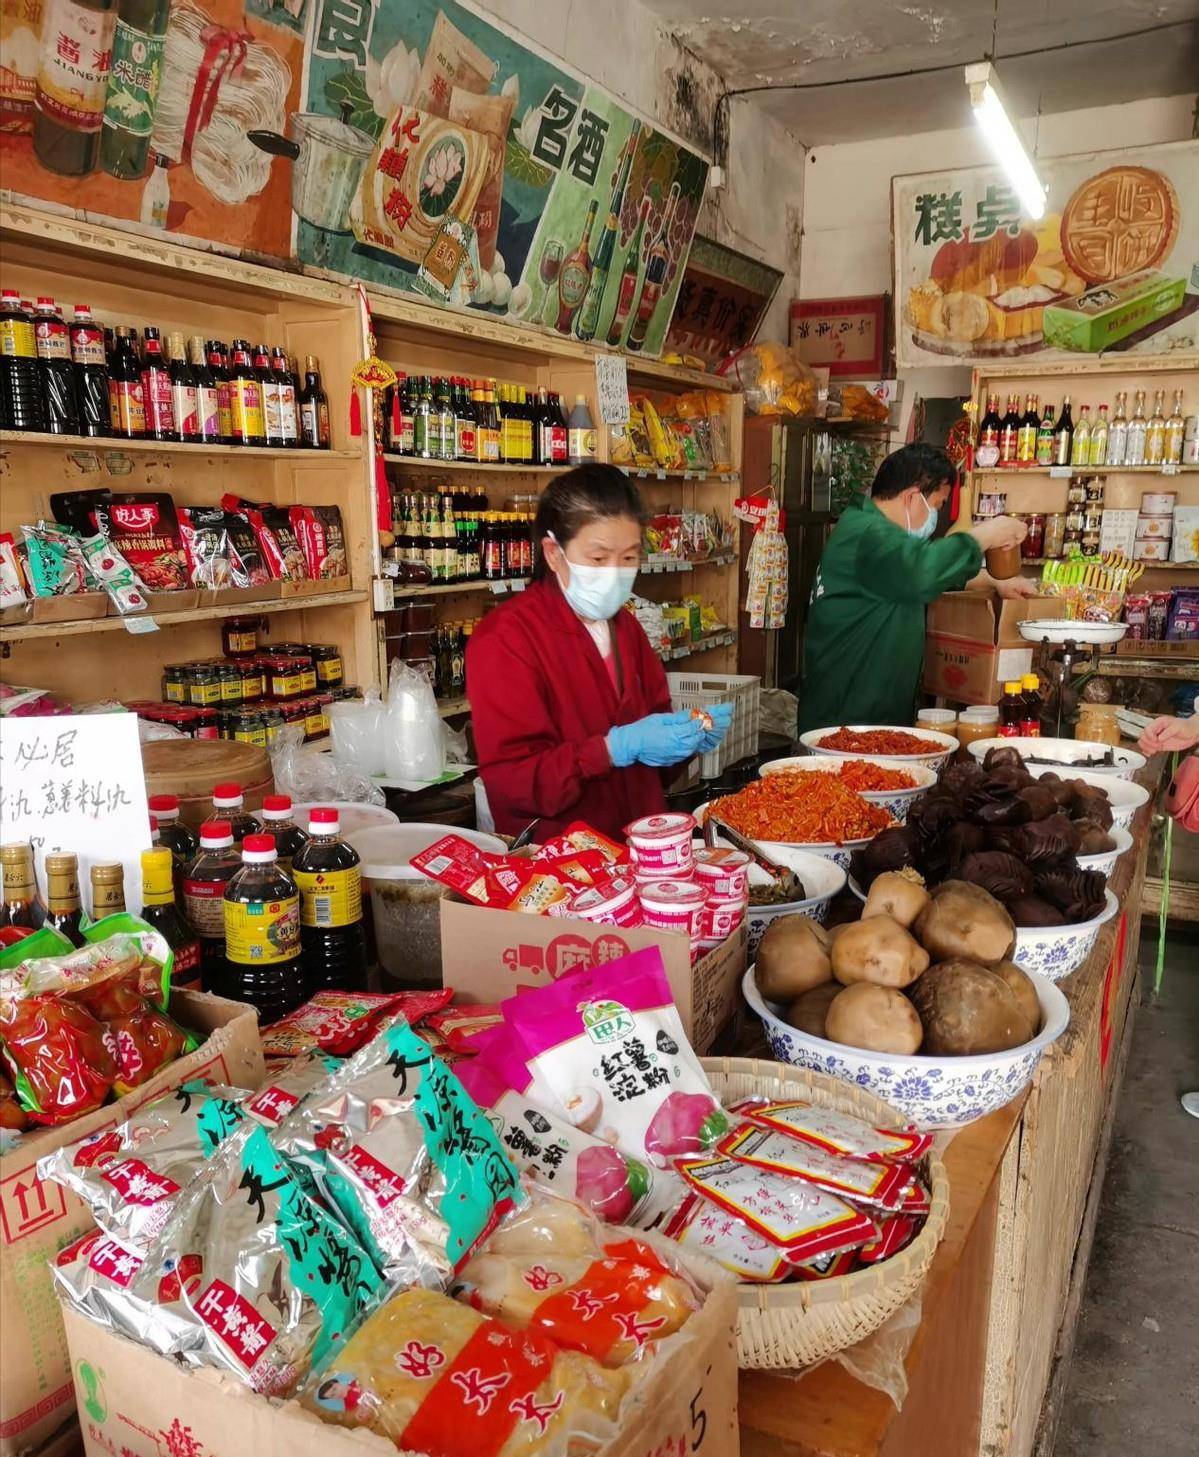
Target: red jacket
{"points": [[542, 702]]}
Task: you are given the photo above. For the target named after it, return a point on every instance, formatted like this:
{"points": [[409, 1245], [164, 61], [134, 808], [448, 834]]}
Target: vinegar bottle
{"points": [[327, 872], [228, 803], [277, 821], [262, 934], [108, 890], [18, 899]]}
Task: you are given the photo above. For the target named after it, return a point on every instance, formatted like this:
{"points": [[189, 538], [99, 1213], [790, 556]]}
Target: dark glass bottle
{"points": [[156, 389], [208, 393], [262, 934], [161, 912], [184, 390], [218, 367], [1063, 435], [108, 890], [91, 373], [289, 397], [57, 372], [125, 376], [21, 406], [228, 803], [204, 880], [277, 821], [19, 905], [328, 875], [64, 910], [272, 396], [314, 408]]}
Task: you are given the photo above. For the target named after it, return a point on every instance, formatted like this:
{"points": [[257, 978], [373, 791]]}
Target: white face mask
{"points": [[596, 593]]}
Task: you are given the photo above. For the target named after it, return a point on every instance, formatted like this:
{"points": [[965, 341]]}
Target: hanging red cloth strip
{"points": [[376, 375]]}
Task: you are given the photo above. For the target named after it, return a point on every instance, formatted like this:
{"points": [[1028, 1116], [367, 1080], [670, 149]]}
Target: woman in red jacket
{"points": [[570, 703]]}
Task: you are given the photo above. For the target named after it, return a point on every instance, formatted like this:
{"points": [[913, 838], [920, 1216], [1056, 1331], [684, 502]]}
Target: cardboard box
{"points": [[972, 643], [38, 1219], [138, 1404], [489, 955]]}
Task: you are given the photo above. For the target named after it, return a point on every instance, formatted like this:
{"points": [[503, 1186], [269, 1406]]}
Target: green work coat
{"points": [[864, 641]]}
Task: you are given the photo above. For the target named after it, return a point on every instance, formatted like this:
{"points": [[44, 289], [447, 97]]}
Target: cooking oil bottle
{"points": [[277, 820], [262, 934], [228, 803], [327, 873]]}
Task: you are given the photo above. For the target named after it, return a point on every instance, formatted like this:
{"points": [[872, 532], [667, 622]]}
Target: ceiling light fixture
{"points": [[1002, 137]]}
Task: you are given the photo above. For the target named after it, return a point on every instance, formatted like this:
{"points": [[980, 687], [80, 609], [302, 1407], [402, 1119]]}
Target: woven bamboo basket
{"points": [[801, 1323]]}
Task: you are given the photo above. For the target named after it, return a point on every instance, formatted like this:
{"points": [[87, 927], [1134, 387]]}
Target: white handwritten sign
{"points": [[612, 387], [76, 783]]}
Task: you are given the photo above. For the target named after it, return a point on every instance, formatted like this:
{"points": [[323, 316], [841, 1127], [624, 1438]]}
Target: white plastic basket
{"points": [[702, 690]]}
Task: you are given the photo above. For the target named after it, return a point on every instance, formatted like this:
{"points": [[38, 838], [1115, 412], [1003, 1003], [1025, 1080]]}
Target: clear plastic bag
{"points": [[773, 379], [313, 777], [415, 742]]}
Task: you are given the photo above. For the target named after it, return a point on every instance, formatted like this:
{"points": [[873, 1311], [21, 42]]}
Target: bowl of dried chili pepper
{"points": [[882, 741], [817, 812], [878, 780]]}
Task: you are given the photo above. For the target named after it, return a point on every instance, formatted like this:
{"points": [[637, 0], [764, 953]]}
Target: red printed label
{"points": [[138, 1183], [156, 396], [235, 1321], [602, 1309], [272, 1105], [113, 1260], [383, 1183]]}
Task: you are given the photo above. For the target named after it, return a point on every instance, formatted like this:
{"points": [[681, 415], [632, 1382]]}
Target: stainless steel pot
{"points": [[329, 156]]}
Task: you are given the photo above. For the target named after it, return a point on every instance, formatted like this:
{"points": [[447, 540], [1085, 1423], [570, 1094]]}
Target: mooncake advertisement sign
{"points": [[1113, 266], [413, 145]]}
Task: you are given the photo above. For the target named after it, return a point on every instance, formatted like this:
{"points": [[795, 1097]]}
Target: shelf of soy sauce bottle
{"points": [[173, 447]]}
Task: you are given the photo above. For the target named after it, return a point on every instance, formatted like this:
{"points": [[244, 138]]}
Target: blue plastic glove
{"points": [[721, 715], [660, 739]]}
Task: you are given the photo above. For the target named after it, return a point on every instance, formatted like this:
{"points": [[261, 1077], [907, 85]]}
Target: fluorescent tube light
{"points": [[1002, 137]]}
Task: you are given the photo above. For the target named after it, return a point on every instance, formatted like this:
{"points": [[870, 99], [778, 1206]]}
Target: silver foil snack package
{"points": [[131, 1176], [288, 1085], [251, 1275], [398, 1148]]}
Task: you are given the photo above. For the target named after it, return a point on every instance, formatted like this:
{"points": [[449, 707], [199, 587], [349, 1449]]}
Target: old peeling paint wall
{"points": [[623, 46]]}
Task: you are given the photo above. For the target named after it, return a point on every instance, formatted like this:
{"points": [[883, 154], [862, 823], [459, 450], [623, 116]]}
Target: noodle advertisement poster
{"points": [[1113, 265], [411, 145]]}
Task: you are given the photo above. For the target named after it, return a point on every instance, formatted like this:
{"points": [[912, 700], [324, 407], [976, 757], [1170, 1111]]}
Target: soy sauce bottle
{"points": [[59, 399], [328, 874], [91, 373], [277, 821], [262, 934], [21, 406], [179, 839], [205, 878], [228, 803]]}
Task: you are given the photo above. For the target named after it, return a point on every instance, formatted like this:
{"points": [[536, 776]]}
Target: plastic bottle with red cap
{"points": [[228, 803], [329, 877], [205, 878], [277, 820], [180, 839], [262, 934]]}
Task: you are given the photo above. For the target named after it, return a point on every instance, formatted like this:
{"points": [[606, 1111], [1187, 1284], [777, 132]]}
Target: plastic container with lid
{"points": [[616, 904], [722, 872], [262, 934], [661, 846], [941, 719], [1098, 723], [278, 820], [330, 671], [976, 723], [228, 803], [672, 905]]}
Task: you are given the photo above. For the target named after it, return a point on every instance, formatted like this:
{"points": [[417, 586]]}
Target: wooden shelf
{"points": [[722, 639], [672, 566], [1062, 473], [473, 466], [174, 447], [452, 707], [1038, 561], [503, 588], [727, 478], [19, 632]]}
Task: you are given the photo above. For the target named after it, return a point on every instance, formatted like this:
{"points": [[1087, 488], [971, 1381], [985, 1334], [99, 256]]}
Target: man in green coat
{"points": [[864, 642]]}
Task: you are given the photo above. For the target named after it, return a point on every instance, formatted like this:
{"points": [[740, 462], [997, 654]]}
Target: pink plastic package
{"points": [[562, 1158], [609, 1043]]}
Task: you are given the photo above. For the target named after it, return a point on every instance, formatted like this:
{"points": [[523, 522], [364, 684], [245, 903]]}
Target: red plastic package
{"points": [[140, 1037], [459, 1026], [460, 865], [143, 526], [59, 1055], [342, 1022], [318, 530], [277, 540], [537, 889], [580, 836]]}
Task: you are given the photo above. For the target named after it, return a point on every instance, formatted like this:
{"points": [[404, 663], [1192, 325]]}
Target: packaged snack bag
{"points": [[880, 1185], [459, 1027], [319, 532], [130, 1176], [397, 1147], [836, 1132], [143, 526], [289, 1083], [275, 535], [723, 1237], [610, 1045], [58, 1055], [205, 536], [433, 1376], [342, 1022]]}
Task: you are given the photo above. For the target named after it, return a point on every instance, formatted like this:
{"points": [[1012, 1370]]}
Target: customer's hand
{"points": [[660, 739], [1165, 735], [721, 715], [1000, 531], [1018, 587]]}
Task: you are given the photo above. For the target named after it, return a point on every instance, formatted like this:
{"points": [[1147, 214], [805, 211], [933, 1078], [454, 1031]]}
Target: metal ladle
{"points": [[785, 880]]}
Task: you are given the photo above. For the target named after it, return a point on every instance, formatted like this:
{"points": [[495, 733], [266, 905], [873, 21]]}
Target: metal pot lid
{"points": [[330, 132]]}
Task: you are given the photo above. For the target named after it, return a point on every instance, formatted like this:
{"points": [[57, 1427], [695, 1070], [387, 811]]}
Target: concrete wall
{"points": [[623, 47], [847, 197]]}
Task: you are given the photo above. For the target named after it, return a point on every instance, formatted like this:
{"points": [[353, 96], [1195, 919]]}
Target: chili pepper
{"points": [[877, 741], [805, 808]]}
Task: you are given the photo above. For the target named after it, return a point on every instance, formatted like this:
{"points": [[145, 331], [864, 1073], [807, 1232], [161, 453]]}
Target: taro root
{"points": [[878, 950], [1093, 839], [1000, 875], [793, 957], [808, 1012], [966, 1009], [1020, 984], [963, 921], [899, 894], [1032, 911], [1078, 894], [1004, 812], [889, 850], [1039, 798], [1000, 757], [879, 1019]]}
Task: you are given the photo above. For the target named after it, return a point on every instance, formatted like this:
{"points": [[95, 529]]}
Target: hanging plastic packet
{"points": [[286, 1087], [425, 1372], [342, 1022], [113, 574], [318, 530], [609, 1043], [53, 561], [799, 1218], [12, 578], [836, 1132], [398, 1148], [613, 1308], [562, 1159], [250, 1274], [130, 1176], [879, 1185], [718, 1235]]}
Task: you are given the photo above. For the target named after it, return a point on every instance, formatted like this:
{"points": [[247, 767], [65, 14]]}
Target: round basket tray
{"points": [[804, 1322]]}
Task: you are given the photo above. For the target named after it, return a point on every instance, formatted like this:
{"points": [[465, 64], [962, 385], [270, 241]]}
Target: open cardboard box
{"points": [[488, 955], [38, 1219], [972, 643], [139, 1404]]}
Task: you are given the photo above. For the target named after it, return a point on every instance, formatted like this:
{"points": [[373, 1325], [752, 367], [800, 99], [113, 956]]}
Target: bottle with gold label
{"points": [[262, 934], [1155, 431], [108, 889], [160, 910], [328, 874], [1175, 432], [19, 905], [64, 909]]}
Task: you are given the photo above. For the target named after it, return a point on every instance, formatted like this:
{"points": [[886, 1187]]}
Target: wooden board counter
{"points": [[1001, 1300]]}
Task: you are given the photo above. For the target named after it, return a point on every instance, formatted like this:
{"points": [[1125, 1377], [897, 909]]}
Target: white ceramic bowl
{"points": [[1056, 951], [934, 1092], [1124, 797], [820, 875], [1060, 630], [941, 746], [840, 854], [1127, 761], [1105, 860], [896, 802]]}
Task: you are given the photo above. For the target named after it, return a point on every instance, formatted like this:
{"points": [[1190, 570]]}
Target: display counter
{"points": [[1000, 1305]]}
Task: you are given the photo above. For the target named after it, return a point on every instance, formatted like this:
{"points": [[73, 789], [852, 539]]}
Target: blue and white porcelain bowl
{"points": [[1105, 860], [934, 1092], [896, 802], [823, 877], [828, 849], [1055, 951], [1124, 797], [941, 747], [1127, 761]]}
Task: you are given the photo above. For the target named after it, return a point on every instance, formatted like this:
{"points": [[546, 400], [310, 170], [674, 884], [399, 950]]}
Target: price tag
{"points": [[139, 624], [1169, 468], [612, 389], [1060, 472]]}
